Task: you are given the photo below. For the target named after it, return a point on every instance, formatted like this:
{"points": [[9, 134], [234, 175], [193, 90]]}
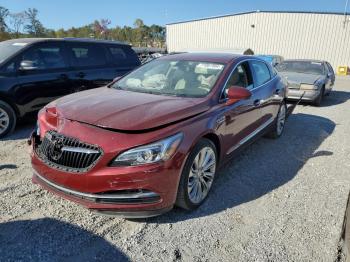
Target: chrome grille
{"points": [[67, 153]]}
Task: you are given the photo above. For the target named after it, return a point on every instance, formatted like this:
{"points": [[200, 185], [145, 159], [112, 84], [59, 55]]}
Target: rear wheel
{"points": [[197, 176], [7, 119], [280, 121]]}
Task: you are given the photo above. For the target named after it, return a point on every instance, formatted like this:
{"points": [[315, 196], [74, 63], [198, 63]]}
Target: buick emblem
{"points": [[56, 148]]}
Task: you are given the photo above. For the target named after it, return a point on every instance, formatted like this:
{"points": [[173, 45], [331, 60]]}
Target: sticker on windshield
{"points": [[210, 66], [316, 63], [19, 44]]}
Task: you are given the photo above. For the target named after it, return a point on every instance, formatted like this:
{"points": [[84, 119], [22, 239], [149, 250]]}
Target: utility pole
{"points": [[345, 12]]}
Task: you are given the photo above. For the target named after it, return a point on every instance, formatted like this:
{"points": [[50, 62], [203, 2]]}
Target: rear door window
{"points": [[261, 72], [86, 55], [121, 55]]}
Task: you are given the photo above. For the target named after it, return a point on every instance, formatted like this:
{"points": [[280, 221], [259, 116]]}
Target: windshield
{"points": [[8, 49], [172, 77], [306, 67]]}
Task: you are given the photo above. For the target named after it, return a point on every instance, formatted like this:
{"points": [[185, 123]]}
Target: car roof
{"points": [[68, 39], [304, 60], [266, 55], [207, 57]]}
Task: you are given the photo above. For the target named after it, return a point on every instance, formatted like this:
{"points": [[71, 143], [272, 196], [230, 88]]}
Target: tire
{"points": [[318, 100], [279, 123], [7, 119], [189, 181]]}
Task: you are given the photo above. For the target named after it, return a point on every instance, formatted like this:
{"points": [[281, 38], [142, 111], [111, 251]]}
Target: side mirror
{"points": [[237, 93], [27, 65]]}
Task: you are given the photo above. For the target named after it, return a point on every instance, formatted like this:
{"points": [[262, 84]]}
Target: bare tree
{"points": [[4, 12], [101, 28], [138, 23], [140, 31], [17, 21], [34, 26]]}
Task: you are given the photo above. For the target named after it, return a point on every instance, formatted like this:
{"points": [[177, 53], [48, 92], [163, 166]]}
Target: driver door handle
{"points": [[257, 102]]}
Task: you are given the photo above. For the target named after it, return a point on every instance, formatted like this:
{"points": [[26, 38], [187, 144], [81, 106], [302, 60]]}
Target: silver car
{"points": [[313, 78]]}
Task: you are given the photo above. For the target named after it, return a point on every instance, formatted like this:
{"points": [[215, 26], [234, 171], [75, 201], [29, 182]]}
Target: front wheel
{"points": [[318, 100], [280, 121], [197, 176], [7, 119]]}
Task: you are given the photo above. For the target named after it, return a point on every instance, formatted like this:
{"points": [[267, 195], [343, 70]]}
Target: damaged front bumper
{"points": [[291, 105], [305, 95]]}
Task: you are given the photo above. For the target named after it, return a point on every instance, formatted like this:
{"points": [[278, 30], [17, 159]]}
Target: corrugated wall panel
{"points": [[292, 35]]}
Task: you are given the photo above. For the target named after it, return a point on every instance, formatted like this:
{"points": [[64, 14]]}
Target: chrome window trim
{"points": [[250, 89]]}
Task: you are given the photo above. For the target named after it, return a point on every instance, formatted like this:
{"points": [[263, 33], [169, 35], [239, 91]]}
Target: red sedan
{"points": [[156, 137]]}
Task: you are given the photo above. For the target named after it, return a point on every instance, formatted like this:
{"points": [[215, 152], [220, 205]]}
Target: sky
{"points": [[67, 13]]}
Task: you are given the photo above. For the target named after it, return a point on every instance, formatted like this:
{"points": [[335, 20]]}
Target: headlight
{"points": [[152, 153]]}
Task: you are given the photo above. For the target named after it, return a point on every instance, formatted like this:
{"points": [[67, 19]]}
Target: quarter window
{"points": [[85, 55], [262, 72], [117, 53]]}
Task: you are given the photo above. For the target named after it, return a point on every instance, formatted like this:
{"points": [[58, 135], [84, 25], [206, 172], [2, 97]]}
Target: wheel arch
{"points": [[216, 141], [10, 103]]}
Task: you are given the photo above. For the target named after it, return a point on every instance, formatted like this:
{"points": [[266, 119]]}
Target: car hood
{"points": [[126, 110], [301, 77]]}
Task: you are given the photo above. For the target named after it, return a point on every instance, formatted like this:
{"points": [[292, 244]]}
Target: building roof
{"points": [[258, 11]]}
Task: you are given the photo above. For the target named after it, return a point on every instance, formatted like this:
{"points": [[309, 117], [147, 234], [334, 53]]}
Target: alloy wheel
{"points": [[4, 121], [201, 175]]}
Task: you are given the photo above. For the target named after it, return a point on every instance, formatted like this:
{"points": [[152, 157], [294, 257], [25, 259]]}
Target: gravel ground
{"points": [[281, 200]]}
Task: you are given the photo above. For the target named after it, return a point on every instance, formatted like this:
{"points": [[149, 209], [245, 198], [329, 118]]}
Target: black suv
{"points": [[34, 72]]}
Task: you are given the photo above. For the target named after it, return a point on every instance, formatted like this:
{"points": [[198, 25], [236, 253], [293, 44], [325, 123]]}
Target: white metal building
{"points": [[324, 36]]}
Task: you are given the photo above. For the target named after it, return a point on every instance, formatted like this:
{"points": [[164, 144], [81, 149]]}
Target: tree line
{"points": [[27, 24]]}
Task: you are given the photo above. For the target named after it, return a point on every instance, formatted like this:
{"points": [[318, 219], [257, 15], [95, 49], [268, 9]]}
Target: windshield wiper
{"points": [[117, 87]]}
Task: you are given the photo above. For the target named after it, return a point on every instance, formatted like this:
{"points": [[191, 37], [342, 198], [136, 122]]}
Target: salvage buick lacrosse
{"points": [[156, 137]]}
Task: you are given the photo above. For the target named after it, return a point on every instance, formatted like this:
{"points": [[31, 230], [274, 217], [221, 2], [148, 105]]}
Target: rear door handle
{"points": [[257, 102], [80, 74]]}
